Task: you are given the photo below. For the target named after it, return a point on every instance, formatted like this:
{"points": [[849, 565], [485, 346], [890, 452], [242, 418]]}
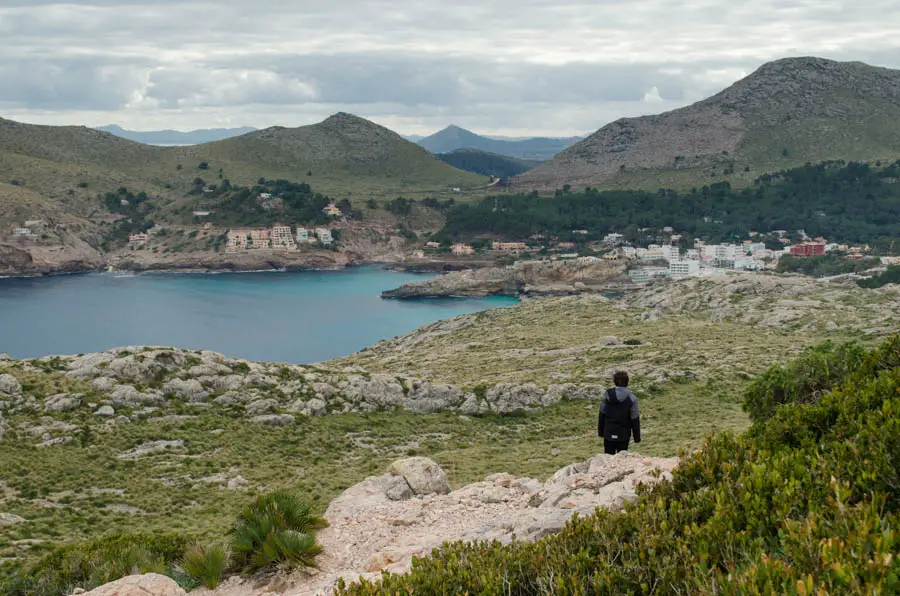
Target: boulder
{"points": [[9, 385], [151, 584], [190, 390], [422, 474], [273, 419], [62, 402], [151, 448], [230, 398], [105, 412], [128, 396], [261, 406], [10, 519], [209, 369]]}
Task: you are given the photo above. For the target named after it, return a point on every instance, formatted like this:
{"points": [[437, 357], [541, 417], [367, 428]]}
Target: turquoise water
{"points": [[294, 317]]}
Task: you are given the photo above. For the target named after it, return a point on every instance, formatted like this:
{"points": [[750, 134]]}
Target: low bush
{"points": [[205, 563], [817, 370], [90, 564], [808, 502], [277, 528]]}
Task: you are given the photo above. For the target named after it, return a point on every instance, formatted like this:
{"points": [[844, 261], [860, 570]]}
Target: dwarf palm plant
{"points": [[277, 528]]}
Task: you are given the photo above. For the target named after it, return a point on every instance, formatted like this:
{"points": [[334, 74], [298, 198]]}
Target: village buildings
{"points": [[462, 250], [325, 237], [509, 246], [139, 238], [283, 238]]}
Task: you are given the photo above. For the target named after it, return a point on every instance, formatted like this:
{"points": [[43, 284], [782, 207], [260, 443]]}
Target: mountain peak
{"points": [[787, 112]]}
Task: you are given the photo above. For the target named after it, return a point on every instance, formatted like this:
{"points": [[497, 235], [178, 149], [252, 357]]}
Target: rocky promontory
{"points": [[523, 278], [261, 260]]}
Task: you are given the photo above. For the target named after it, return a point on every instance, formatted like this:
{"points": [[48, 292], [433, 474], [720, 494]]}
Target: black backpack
{"points": [[617, 418]]}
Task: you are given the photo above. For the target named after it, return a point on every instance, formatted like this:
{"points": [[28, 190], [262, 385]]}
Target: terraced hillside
{"points": [[785, 114]]}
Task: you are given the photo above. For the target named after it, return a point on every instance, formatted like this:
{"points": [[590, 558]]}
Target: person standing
{"points": [[619, 417]]}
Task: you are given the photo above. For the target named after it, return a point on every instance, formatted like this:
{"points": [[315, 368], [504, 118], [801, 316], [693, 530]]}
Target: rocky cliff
{"points": [[786, 113], [524, 278]]}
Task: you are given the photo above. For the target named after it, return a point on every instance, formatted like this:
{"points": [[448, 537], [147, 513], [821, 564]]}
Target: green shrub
{"points": [[276, 528], [817, 370], [90, 564], [205, 563], [809, 502]]}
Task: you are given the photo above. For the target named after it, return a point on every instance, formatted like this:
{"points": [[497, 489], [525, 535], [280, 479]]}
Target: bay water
{"points": [[292, 317]]}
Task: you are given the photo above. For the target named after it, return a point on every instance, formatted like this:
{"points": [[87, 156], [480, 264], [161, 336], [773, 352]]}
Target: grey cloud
{"points": [[500, 65]]}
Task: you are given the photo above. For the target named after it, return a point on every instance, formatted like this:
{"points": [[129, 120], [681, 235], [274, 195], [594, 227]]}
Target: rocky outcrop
{"points": [[136, 384], [524, 278], [146, 261], [423, 475], [381, 524], [151, 584]]}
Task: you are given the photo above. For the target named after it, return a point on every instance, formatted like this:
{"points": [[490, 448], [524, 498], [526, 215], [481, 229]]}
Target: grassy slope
{"points": [[350, 157]]}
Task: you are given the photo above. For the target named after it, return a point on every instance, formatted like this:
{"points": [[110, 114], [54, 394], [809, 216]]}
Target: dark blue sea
{"points": [[293, 317]]}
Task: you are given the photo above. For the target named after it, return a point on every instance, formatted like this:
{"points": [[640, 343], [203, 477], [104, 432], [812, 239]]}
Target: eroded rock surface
{"points": [[151, 584], [379, 524]]}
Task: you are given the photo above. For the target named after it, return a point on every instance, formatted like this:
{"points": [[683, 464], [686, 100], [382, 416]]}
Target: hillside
{"points": [[163, 442], [49, 171], [486, 164], [176, 137], [453, 137], [785, 114]]}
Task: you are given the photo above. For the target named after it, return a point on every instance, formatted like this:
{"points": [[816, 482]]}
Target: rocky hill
{"points": [[453, 138], [523, 278], [785, 114]]}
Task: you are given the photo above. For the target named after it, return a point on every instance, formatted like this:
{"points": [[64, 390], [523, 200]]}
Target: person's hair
{"points": [[621, 379]]}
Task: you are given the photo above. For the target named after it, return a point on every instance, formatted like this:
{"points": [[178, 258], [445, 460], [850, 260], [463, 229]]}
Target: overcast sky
{"points": [[516, 67]]}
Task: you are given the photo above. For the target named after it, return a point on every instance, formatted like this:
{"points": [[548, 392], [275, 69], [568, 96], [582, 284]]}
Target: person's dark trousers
{"points": [[613, 447]]}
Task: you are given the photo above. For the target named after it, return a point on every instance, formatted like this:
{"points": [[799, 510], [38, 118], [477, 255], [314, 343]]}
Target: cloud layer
{"points": [[502, 66]]}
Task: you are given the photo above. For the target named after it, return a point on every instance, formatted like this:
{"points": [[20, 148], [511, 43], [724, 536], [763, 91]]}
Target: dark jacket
{"points": [[619, 416]]}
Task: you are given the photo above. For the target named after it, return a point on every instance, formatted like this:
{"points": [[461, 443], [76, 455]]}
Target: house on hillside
{"points": [[238, 239], [302, 236], [332, 210], [462, 250], [23, 233], [324, 236], [509, 246], [282, 238], [140, 238], [260, 238]]}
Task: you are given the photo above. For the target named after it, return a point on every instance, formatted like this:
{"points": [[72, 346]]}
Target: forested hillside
{"points": [[485, 163], [853, 202]]}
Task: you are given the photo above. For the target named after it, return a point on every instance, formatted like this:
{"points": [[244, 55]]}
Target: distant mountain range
{"points": [[785, 114], [176, 137], [537, 149]]}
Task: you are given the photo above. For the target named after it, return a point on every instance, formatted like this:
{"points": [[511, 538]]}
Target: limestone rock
{"points": [[9, 519], [151, 448], [128, 396], [105, 412], [422, 474], [10, 386], [262, 406], [62, 402], [151, 584], [273, 419], [190, 389]]}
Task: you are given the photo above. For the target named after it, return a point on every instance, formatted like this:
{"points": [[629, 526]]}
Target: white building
{"points": [[282, 238], [747, 264], [629, 251], [613, 238], [265, 196], [692, 254], [756, 247], [302, 236], [679, 269], [324, 236], [671, 253], [643, 275], [23, 232]]}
